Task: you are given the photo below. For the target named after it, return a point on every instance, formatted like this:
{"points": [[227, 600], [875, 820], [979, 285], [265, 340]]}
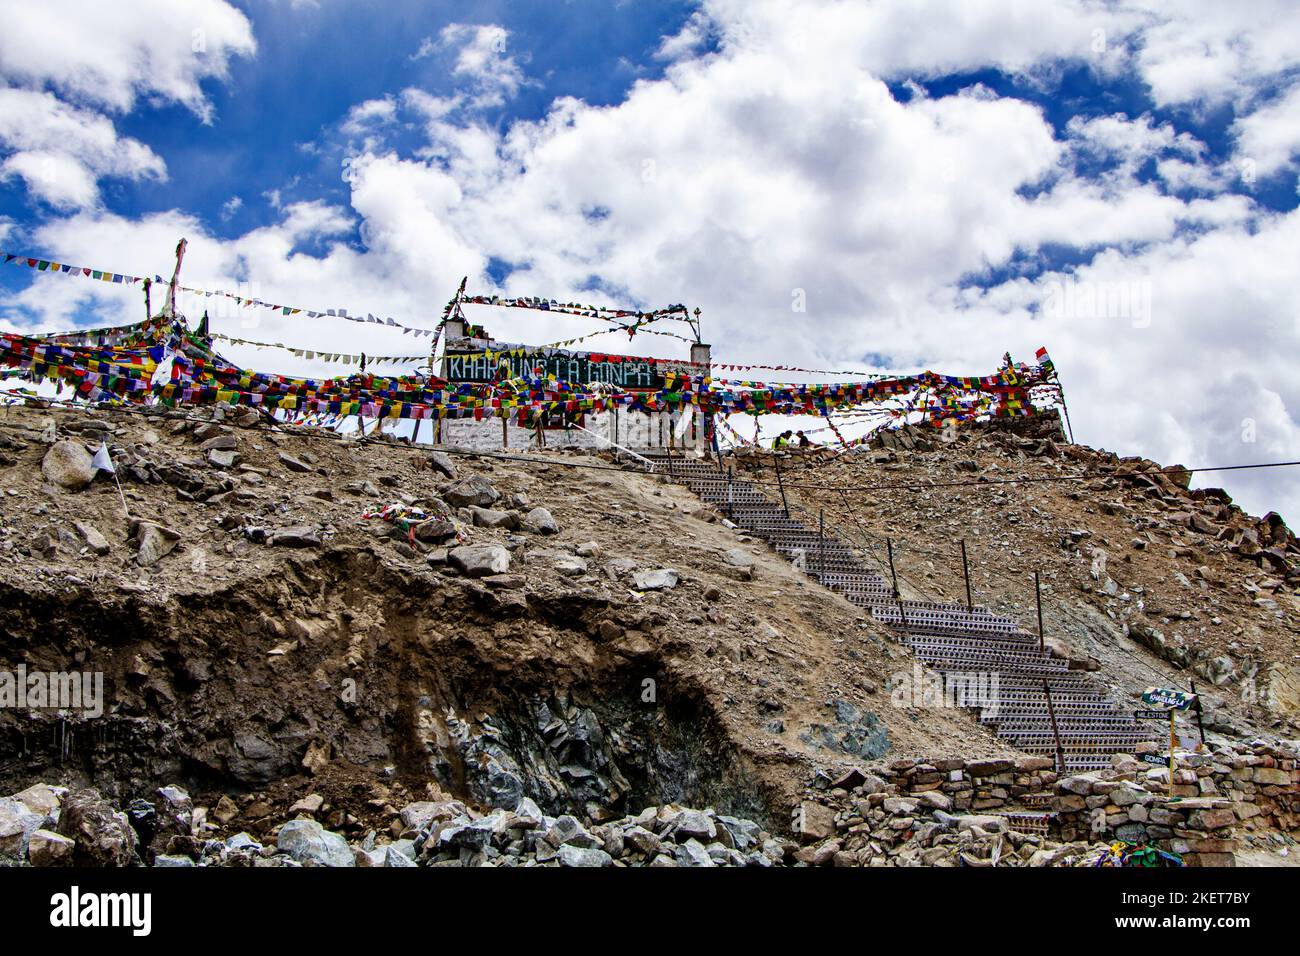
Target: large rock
{"points": [[480, 560], [68, 465], [43, 799], [814, 822], [661, 580], [441, 462], [153, 542], [490, 518], [103, 835], [95, 541], [739, 558], [540, 521], [297, 536], [471, 490], [580, 856], [312, 845], [47, 848], [17, 823]]}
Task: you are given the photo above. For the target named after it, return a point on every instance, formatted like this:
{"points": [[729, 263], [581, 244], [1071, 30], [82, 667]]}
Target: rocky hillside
{"points": [[295, 626], [1143, 580]]}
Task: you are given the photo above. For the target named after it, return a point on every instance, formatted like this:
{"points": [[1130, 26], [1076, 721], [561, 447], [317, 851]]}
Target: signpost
{"points": [[1174, 700], [1150, 714]]}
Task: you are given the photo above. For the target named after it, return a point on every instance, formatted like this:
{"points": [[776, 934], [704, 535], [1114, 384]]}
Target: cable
{"points": [[1032, 479]]}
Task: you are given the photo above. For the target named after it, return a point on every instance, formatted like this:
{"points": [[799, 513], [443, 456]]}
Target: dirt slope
{"points": [[1141, 578], [286, 645]]}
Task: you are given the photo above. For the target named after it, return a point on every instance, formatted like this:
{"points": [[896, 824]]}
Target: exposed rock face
{"points": [[68, 465]]}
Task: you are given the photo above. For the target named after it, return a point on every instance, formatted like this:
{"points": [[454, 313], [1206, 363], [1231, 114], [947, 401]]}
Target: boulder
{"points": [[47, 848], [435, 529], [480, 560], [540, 521], [296, 536], [103, 835], [661, 580], [739, 558], [441, 463], [17, 824], [583, 856], [571, 566], [293, 464], [814, 822], [312, 845], [95, 541], [153, 542], [471, 490], [68, 465], [489, 518]]}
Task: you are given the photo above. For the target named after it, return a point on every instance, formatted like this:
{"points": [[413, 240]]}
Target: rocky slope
{"points": [[538, 631]]}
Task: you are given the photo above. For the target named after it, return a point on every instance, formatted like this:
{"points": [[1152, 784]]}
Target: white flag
{"points": [[102, 461]]}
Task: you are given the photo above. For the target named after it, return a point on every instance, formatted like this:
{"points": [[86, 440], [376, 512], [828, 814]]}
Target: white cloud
{"points": [[64, 72], [782, 164], [364, 117], [481, 61], [98, 53], [61, 151], [1269, 138], [231, 206]]}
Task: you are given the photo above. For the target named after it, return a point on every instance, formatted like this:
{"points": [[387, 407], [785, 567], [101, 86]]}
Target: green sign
{"points": [[1165, 697], [581, 368]]}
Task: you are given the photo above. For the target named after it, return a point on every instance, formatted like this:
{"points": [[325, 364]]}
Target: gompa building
{"points": [[472, 356]]}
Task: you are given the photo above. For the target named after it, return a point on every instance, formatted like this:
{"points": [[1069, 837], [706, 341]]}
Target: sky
{"points": [[892, 185]]}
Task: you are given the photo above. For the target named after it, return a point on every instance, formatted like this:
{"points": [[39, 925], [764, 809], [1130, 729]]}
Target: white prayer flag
{"points": [[102, 461]]}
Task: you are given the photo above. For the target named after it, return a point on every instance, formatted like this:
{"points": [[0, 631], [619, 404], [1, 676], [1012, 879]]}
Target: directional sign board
{"points": [[1165, 697], [1150, 714]]}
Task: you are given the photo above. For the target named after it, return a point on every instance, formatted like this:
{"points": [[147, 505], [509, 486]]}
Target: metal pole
{"points": [[821, 543], [898, 597], [965, 570], [776, 463], [1038, 598], [1056, 733]]}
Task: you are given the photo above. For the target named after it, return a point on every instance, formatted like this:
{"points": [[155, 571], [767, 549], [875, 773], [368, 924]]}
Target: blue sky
{"points": [[1115, 181]]}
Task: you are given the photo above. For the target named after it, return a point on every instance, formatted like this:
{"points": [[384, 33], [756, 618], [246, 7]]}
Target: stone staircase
{"points": [[988, 662]]}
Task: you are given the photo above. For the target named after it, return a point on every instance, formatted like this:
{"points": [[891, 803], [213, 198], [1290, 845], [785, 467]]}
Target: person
{"points": [[803, 440], [782, 440]]}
